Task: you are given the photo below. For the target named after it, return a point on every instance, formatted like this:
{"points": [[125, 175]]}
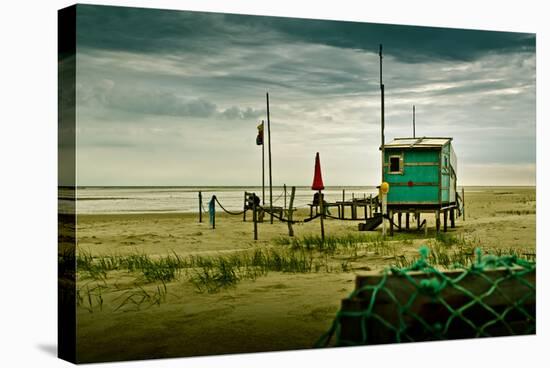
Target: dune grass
{"points": [[448, 251], [213, 273]]}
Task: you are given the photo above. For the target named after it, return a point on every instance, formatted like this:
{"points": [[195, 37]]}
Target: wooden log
{"points": [[428, 308]]}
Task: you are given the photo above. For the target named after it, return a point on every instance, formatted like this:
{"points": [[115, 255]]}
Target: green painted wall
{"points": [[425, 178]]}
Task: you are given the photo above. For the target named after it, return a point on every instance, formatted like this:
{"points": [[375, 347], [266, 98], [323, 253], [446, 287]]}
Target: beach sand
{"points": [[277, 311]]}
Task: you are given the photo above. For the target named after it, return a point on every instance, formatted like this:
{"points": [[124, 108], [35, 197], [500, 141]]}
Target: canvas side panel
{"points": [[66, 310]]}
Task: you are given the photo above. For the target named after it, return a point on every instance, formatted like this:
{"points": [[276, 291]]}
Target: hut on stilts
{"points": [[422, 174]]}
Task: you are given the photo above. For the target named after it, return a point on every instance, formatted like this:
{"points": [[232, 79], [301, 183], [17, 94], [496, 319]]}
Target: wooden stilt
{"points": [[426, 226], [399, 216], [407, 216], [370, 205], [437, 221], [453, 218], [391, 223], [445, 221]]}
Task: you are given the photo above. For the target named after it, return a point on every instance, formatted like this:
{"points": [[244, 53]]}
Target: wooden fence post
{"points": [[200, 206], [321, 207], [290, 229], [255, 219], [463, 206], [214, 213], [284, 189], [244, 207]]}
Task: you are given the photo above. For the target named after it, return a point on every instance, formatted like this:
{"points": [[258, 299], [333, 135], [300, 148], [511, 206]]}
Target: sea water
{"points": [[116, 200]]}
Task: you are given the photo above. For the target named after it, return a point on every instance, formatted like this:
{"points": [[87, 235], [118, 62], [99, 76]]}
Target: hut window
{"points": [[395, 164]]}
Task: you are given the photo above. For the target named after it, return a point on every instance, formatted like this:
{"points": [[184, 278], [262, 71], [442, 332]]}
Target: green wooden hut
{"points": [[422, 176]]}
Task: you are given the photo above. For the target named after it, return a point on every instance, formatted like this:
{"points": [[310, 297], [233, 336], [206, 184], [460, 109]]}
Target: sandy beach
{"points": [[128, 314]]}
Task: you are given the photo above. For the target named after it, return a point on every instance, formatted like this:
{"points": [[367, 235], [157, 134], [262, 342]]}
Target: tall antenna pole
{"points": [[382, 114], [263, 166], [414, 122], [269, 158]]}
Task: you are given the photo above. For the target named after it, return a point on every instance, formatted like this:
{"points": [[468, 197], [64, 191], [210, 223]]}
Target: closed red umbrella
{"points": [[317, 178], [318, 186]]}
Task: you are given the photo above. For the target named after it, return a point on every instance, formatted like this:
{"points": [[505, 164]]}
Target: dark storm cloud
{"points": [[155, 30], [157, 82], [165, 31], [105, 94], [406, 43]]}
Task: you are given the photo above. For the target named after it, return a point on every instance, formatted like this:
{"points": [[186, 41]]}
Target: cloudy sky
{"points": [[173, 98]]}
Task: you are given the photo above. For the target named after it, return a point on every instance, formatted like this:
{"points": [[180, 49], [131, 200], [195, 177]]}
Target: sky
{"points": [[174, 97]]}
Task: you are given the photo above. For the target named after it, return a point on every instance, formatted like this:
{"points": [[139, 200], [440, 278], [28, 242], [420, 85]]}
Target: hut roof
{"points": [[422, 142]]}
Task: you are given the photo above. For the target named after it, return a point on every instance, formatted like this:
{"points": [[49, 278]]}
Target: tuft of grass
{"points": [[447, 239], [135, 299], [463, 256], [92, 298], [348, 243]]}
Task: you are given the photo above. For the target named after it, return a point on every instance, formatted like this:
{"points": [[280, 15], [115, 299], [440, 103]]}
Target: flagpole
{"points": [[269, 158], [263, 166]]}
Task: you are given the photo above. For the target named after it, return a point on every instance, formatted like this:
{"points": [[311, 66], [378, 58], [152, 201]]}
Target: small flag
{"points": [[260, 136]]}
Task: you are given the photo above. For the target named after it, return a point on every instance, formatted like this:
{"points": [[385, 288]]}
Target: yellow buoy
{"points": [[384, 188]]}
